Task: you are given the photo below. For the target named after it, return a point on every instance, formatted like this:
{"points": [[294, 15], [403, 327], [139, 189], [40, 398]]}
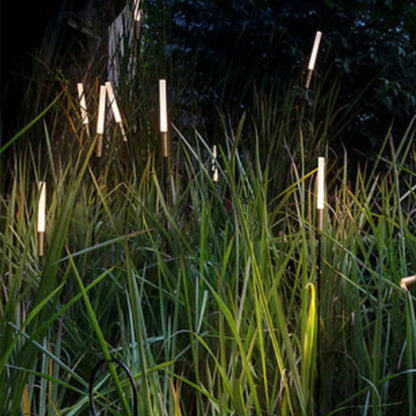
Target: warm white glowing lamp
{"points": [[321, 190], [313, 57], [41, 216], [115, 109], [100, 119], [163, 106], [83, 105], [315, 49], [408, 282], [214, 167], [163, 117]]}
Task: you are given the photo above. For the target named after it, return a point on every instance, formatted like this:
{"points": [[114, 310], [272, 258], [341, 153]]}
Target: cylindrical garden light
{"points": [[115, 110], [163, 112], [320, 205], [320, 200], [312, 60], [41, 223], [100, 120]]}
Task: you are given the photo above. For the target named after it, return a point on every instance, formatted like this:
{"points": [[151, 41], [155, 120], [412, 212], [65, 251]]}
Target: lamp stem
{"points": [[308, 79], [99, 149], [320, 222], [164, 142], [87, 129], [41, 239], [318, 309], [123, 132]]}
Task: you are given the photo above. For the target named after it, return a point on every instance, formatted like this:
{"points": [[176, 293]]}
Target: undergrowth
{"points": [[206, 290]]}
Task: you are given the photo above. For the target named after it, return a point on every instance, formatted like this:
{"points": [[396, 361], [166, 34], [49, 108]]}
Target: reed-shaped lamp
{"points": [[163, 112], [115, 109], [312, 60], [100, 120], [320, 200], [41, 223]]}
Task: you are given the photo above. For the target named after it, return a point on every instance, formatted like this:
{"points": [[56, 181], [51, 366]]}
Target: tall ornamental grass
{"points": [[206, 290]]}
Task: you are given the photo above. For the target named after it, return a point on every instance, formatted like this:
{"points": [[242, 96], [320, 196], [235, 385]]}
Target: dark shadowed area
{"points": [[235, 45]]}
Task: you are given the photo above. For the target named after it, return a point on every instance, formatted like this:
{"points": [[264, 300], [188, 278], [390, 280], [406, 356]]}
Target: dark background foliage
{"points": [[37, 34], [369, 45], [232, 45]]}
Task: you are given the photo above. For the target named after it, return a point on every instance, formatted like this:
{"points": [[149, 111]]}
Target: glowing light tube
{"points": [[113, 102], [41, 216], [101, 110], [315, 49], [100, 120], [321, 183], [115, 109], [163, 106], [42, 207]]}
